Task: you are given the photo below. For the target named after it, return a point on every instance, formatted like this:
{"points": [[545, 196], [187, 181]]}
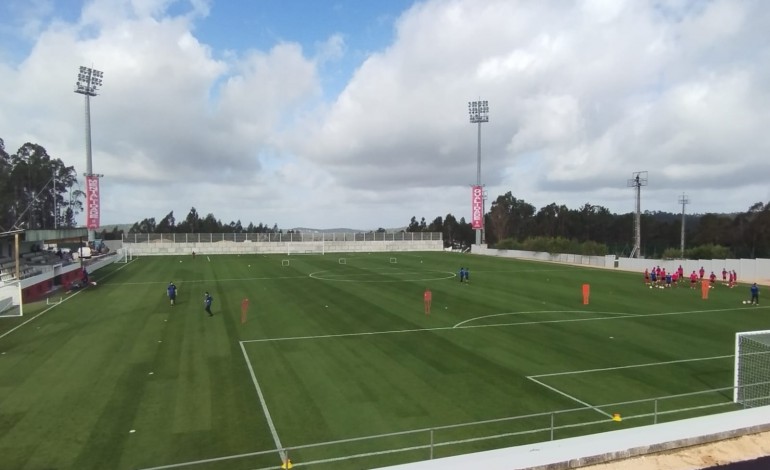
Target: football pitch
{"points": [[335, 364]]}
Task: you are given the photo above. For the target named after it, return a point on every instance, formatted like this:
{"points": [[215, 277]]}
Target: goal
{"points": [[752, 368], [305, 248], [10, 299], [124, 255]]}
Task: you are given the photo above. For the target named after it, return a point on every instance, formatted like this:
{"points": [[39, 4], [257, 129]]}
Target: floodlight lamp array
{"points": [[88, 81], [478, 111]]}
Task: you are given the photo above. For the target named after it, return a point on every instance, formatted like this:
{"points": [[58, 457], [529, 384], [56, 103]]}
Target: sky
{"points": [[354, 114]]}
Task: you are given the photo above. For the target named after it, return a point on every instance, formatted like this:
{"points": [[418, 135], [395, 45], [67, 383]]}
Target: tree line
{"points": [[38, 191], [511, 222]]}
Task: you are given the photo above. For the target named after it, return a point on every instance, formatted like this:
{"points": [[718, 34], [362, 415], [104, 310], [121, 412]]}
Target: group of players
{"points": [[171, 292], [658, 277]]}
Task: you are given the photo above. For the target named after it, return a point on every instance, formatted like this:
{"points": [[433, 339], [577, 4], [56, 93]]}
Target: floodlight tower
{"points": [[683, 201], [479, 113], [638, 179], [88, 81]]}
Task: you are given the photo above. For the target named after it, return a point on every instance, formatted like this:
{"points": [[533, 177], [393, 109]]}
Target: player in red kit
{"points": [[427, 298], [702, 272], [693, 280]]}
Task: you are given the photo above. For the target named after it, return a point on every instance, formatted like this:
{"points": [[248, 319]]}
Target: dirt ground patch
{"points": [[696, 457]]}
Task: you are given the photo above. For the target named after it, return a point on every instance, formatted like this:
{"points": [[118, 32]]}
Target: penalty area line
{"points": [[492, 325], [554, 389], [542, 311], [271, 425], [633, 366]]}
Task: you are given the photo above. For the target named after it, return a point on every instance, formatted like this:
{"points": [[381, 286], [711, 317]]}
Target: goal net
{"points": [[752, 368], [10, 299], [124, 255]]}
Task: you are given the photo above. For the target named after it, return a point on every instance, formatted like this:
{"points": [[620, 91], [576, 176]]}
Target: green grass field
{"points": [[115, 378]]}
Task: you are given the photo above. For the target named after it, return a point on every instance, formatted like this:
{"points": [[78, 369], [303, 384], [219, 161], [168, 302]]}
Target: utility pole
{"points": [[638, 179]]}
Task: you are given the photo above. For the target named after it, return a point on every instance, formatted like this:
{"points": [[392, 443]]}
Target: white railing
{"points": [[279, 237], [508, 431]]}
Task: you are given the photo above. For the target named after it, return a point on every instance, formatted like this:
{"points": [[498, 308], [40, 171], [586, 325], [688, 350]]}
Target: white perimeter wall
{"points": [[749, 270], [288, 248]]}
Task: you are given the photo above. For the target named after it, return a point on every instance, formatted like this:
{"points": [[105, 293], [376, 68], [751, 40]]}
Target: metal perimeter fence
{"points": [[280, 237], [443, 441]]}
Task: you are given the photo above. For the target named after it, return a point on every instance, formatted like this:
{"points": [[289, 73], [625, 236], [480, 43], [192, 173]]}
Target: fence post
{"points": [[431, 444], [553, 419]]}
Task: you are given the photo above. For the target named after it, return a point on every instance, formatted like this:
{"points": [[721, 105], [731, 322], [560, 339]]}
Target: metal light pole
{"points": [[88, 81], [479, 112], [683, 201]]}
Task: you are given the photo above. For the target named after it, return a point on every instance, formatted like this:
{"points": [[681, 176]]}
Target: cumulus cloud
{"points": [[581, 95]]}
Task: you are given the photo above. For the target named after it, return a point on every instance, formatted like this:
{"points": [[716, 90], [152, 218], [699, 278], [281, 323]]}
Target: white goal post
{"points": [[124, 255], [11, 299], [752, 368], [305, 248]]}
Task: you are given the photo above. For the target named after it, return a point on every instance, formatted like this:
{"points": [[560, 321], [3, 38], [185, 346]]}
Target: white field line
{"points": [[346, 335], [208, 259], [417, 330], [209, 280], [543, 311], [588, 405], [211, 460], [56, 305], [586, 371], [630, 315], [532, 378], [633, 366], [269, 418]]}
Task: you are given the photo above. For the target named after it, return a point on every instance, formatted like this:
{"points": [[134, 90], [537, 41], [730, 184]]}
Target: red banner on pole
{"points": [[477, 207], [92, 202]]}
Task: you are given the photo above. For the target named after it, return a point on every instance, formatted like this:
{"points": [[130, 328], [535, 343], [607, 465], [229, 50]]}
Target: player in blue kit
{"points": [[207, 299], [754, 294], [171, 292]]}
